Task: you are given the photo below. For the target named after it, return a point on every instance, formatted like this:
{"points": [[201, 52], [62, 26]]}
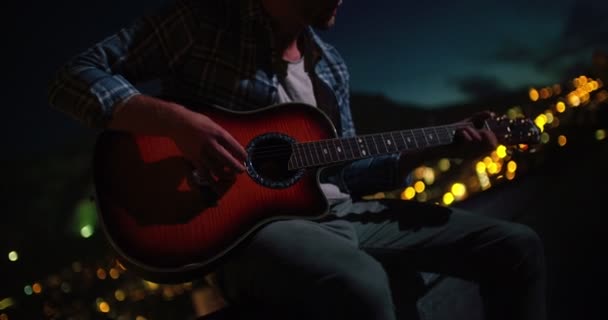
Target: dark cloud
{"points": [[585, 31], [513, 51], [479, 86]]}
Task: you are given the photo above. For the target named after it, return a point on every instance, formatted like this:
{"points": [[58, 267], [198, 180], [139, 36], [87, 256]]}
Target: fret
{"points": [[375, 144], [363, 148], [407, 140], [294, 156], [426, 141], [299, 155], [307, 155], [342, 149], [319, 151], [384, 143], [445, 136], [413, 137], [390, 143], [315, 147], [432, 139], [399, 148], [418, 136], [327, 151], [337, 149], [351, 142], [369, 150]]}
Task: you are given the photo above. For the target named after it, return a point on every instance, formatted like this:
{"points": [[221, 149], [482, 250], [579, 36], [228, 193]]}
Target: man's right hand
{"points": [[209, 147], [216, 155]]}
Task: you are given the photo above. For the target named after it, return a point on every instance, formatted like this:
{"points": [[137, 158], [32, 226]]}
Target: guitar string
{"points": [[315, 147]]}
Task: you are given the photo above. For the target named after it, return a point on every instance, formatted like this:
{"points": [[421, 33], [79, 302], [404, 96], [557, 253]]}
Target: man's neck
{"points": [[287, 28]]}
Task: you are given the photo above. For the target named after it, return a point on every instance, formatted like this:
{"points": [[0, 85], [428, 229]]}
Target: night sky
{"points": [[411, 52], [414, 52]]}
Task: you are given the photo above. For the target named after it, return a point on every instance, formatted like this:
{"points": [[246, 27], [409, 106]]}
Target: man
{"points": [[248, 54]]}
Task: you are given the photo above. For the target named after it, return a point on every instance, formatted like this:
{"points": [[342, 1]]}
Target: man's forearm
{"points": [[144, 114]]}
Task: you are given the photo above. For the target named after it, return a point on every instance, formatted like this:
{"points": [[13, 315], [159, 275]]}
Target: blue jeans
{"points": [[339, 268]]}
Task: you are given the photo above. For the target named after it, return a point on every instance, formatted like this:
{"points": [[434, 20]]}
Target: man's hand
{"points": [[473, 141], [216, 155], [469, 142]]}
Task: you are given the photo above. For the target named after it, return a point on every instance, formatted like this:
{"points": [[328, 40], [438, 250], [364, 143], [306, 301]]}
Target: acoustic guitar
{"points": [[166, 223]]}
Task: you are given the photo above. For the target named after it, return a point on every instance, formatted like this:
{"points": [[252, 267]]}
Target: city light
{"points": [[13, 256]]}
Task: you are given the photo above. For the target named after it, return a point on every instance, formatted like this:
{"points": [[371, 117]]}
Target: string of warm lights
{"points": [[94, 291]]}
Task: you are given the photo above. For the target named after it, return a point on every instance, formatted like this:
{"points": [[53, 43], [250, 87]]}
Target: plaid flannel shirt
{"points": [[208, 52]]}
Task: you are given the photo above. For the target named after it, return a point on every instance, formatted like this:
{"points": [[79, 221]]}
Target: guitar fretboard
{"points": [[325, 152]]}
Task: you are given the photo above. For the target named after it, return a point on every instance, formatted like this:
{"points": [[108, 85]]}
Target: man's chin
{"points": [[325, 24]]}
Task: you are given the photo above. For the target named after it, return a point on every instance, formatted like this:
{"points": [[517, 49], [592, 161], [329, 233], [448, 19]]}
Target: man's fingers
{"points": [[227, 159], [489, 137], [471, 134], [233, 146]]}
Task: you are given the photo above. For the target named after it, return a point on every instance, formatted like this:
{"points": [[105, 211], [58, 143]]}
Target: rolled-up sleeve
{"points": [[93, 82]]}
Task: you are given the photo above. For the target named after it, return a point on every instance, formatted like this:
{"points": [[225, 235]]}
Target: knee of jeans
{"points": [[526, 248], [361, 284]]}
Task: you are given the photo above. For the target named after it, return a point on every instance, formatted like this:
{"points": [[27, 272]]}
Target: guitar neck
{"points": [[331, 151]]}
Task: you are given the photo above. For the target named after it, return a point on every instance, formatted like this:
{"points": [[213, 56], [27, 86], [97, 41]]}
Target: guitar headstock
{"points": [[514, 131]]}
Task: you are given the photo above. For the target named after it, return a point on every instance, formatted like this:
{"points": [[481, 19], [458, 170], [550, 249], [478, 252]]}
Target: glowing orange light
{"points": [[511, 166], [101, 273], [510, 175], [419, 186], [459, 190], [429, 175], [37, 288], [492, 168], [562, 140], [533, 93], [544, 93], [487, 161], [114, 273], [419, 173], [574, 100], [104, 307], [408, 194], [560, 107]]}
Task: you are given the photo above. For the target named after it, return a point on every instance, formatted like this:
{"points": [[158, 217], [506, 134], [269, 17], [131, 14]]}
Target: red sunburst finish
{"points": [[160, 223]]}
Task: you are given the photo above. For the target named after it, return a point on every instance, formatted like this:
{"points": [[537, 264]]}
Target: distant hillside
{"points": [[375, 113]]}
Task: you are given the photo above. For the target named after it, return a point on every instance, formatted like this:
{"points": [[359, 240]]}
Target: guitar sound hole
{"points": [[268, 158]]}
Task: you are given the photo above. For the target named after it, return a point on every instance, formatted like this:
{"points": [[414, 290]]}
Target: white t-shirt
{"points": [[297, 86]]}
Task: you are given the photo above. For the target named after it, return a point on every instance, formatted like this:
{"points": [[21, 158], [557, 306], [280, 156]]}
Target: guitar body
{"points": [[168, 227]]}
